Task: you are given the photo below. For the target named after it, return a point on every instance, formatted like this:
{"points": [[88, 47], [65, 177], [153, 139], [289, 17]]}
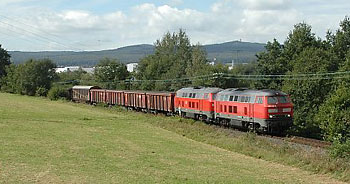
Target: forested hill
{"points": [[241, 52]]}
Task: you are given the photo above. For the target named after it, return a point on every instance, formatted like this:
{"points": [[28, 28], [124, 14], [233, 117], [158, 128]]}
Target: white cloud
{"points": [[267, 19], [267, 5], [175, 2]]}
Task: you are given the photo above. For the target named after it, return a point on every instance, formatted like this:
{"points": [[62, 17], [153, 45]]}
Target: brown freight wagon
{"points": [[98, 95], [114, 97], [160, 101], [135, 100], [82, 93]]}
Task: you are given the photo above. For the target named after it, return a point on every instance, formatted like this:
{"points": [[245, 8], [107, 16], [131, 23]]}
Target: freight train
{"points": [[266, 111]]}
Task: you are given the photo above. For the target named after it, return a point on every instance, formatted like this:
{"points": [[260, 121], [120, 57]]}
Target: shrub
{"points": [[334, 119], [56, 93], [41, 91], [334, 115], [340, 149]]}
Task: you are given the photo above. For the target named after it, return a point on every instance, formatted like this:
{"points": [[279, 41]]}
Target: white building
{"points": [[74, 68], [131, 66]]}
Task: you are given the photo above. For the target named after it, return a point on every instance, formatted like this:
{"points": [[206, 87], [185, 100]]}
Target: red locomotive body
{"points": [[196, 103], [262, 110]]}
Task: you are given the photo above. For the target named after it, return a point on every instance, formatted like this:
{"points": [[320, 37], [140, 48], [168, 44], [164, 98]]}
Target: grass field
{"points": [[59, 142]]}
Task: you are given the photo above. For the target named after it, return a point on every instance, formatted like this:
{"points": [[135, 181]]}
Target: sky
{"points": [[85, 25]]}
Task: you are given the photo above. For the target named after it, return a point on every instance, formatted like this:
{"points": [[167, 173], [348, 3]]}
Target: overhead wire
{"points": [[319, 76], [19, 37], [29, 25], [43, 38]]}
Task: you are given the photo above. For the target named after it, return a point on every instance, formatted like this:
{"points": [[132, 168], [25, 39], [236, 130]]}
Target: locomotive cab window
{"points": [[231, 98], [283, 99], [272, 100], [277, 99]]}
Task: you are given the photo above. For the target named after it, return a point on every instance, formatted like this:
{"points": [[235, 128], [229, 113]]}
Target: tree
{"points": [[334, 115], [271, 62], [308, 95], [245, 69], [198, 66], [174, 58], [72, 77], [109, 72], [4, 61], [341, 40], [297, 41], [28, 77], [220, 80]]}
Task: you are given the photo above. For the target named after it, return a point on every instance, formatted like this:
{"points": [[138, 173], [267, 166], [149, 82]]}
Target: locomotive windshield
{"points": [[277, 99]]}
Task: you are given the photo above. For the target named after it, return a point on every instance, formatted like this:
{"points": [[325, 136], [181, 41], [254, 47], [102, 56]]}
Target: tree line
{"points": [[322, 105]]}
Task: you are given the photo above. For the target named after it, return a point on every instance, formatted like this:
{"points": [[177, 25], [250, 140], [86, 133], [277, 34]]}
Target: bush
{"points": [[41, 91], [334, 115], [334, 119], [340, 149], [56, 93]]}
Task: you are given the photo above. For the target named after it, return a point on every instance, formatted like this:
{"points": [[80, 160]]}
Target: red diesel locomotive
{"points": [[262, 110], [266, 111], [197, 103]]}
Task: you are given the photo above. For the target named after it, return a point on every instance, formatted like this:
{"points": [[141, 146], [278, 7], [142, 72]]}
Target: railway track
{"points": [[291, 139], [304, 141], [308, 141]]}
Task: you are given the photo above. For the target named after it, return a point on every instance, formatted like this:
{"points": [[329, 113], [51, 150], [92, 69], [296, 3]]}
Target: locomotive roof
{"points": [[199, 90], [250, 92], [85, 87]]}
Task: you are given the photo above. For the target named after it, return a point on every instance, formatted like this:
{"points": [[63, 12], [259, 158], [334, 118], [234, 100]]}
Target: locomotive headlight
{"points": [[288, 115], [271, 116], [273, 110], [287, 109]]}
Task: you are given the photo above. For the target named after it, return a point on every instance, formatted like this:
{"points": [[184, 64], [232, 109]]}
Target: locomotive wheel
{"points": [[251, 127]]}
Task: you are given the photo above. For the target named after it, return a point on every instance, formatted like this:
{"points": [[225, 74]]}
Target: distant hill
{"points": [[241, 52]]}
